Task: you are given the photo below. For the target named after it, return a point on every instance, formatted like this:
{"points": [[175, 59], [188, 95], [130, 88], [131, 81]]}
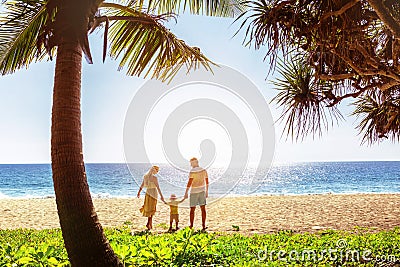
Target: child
{"points": [[174, 214]]}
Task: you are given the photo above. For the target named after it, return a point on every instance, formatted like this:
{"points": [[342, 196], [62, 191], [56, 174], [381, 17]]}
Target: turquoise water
{"points": [[115, 180]]}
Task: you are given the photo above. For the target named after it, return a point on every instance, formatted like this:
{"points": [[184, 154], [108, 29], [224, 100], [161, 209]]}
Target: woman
{"points": [[150, 201]]}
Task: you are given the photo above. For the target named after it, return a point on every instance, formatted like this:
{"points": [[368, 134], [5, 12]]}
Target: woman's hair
{"points": [[156, 168]]}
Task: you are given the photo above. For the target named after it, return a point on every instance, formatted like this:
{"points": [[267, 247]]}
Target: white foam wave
{"points": [[3, 196], [26, 196]]}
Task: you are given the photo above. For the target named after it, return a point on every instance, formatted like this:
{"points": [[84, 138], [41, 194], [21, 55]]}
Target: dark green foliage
{"points": [[351, 46]]}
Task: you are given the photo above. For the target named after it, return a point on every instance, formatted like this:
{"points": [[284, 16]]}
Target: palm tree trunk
{"points": [[83, 235]]}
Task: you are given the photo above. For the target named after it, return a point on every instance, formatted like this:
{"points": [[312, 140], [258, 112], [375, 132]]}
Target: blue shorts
{"points": [[198, 199]]}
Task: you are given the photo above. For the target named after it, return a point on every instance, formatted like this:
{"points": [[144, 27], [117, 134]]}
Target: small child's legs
{"points": [[173, 217]]}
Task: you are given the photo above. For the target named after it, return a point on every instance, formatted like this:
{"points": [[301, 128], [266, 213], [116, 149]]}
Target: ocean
{"points": [[117, 180]]}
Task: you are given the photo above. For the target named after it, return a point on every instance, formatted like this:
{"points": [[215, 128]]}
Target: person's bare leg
{"points": [[192, 210], [176, 225], [203, 216], [151, 222], [170, 225], [148, 223]]}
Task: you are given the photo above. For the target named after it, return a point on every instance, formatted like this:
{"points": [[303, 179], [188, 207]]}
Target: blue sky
{"points": [[25, 104]]}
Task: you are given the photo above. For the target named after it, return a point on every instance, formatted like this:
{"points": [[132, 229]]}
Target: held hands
{"points": [[186, 195]]}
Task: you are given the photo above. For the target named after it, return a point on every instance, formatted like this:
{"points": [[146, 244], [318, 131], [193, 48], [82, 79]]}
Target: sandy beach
{"points": [[255, 214]]}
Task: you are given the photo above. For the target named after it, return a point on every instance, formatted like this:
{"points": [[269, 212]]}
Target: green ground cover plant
{"points": [[360, 247]]}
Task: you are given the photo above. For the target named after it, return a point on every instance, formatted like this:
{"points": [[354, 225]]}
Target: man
{"points": [[198, 182]]}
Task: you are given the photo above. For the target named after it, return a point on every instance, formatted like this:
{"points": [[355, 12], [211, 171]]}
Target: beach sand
{"points": [[255, 214]]}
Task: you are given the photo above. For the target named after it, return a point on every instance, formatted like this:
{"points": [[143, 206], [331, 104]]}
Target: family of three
{"points": [[197, 184]]}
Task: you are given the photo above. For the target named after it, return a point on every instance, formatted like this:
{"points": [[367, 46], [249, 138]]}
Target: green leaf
{"points": [[25, 260], [224, 8], [53, 261], [145, 47], [20, 26]]}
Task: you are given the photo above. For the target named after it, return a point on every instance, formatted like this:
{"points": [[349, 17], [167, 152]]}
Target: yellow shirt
{"points": [[173, 206], [199, 176]]}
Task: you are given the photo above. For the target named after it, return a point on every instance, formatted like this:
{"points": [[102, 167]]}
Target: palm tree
{"points": [[32, 29], [306, 109], [351, 49]]}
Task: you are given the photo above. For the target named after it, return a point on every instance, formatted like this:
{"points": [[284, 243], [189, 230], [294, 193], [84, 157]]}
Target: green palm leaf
{"points": [[223, 8], [20, 27], [137, 38], [145, 46]]}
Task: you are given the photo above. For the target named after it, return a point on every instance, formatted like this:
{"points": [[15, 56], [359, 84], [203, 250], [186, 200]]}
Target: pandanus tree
{"points": [[328, 51], [32, 30]]}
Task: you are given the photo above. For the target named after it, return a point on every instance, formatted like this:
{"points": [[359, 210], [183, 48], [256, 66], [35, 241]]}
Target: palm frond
{"points": [[263, 26], [302, 97], [220, 8], [20, 26], [146, 47], [380, 115]]}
